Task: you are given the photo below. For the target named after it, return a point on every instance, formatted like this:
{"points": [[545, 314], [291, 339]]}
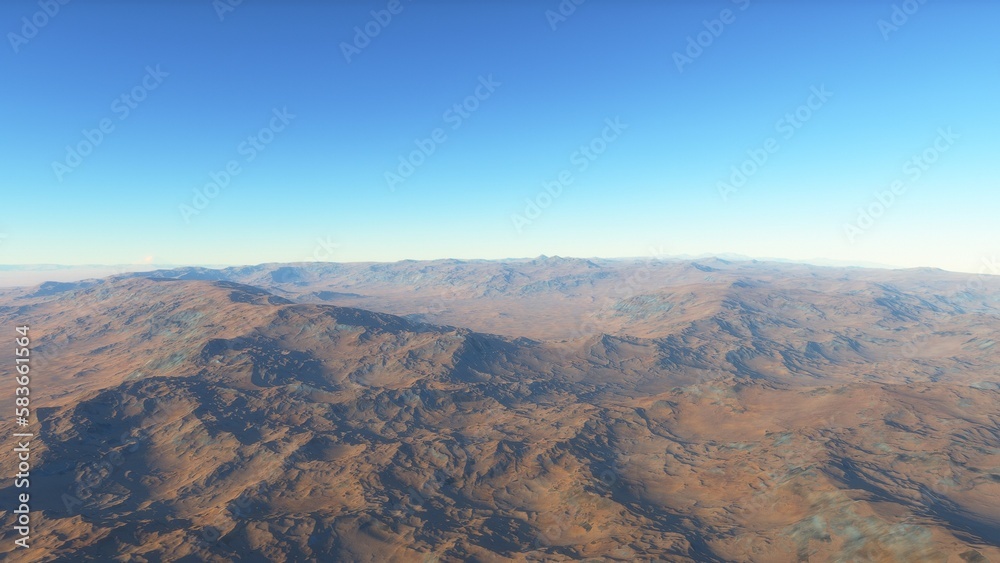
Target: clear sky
{"points": [[643, 109]]}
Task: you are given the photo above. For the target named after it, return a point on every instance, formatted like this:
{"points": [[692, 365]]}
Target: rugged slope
{"points": [[213, 420]]}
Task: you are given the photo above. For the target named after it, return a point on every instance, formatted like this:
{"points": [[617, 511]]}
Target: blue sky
{"points": [[327, 113]]}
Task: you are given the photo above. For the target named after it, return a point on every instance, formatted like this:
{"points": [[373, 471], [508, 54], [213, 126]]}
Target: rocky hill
{"points": [[523, 411]]}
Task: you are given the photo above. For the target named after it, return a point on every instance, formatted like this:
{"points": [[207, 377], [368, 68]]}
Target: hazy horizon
{"points": [[22, 275]]}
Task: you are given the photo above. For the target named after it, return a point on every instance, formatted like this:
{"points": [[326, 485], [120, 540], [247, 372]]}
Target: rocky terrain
{"points": [[536, 410]]}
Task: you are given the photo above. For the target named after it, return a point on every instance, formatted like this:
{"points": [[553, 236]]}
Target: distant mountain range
{"points": [[31, 274]]}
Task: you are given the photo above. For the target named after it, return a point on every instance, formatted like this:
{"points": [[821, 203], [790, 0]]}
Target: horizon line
{"points": [[726, 257]]}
